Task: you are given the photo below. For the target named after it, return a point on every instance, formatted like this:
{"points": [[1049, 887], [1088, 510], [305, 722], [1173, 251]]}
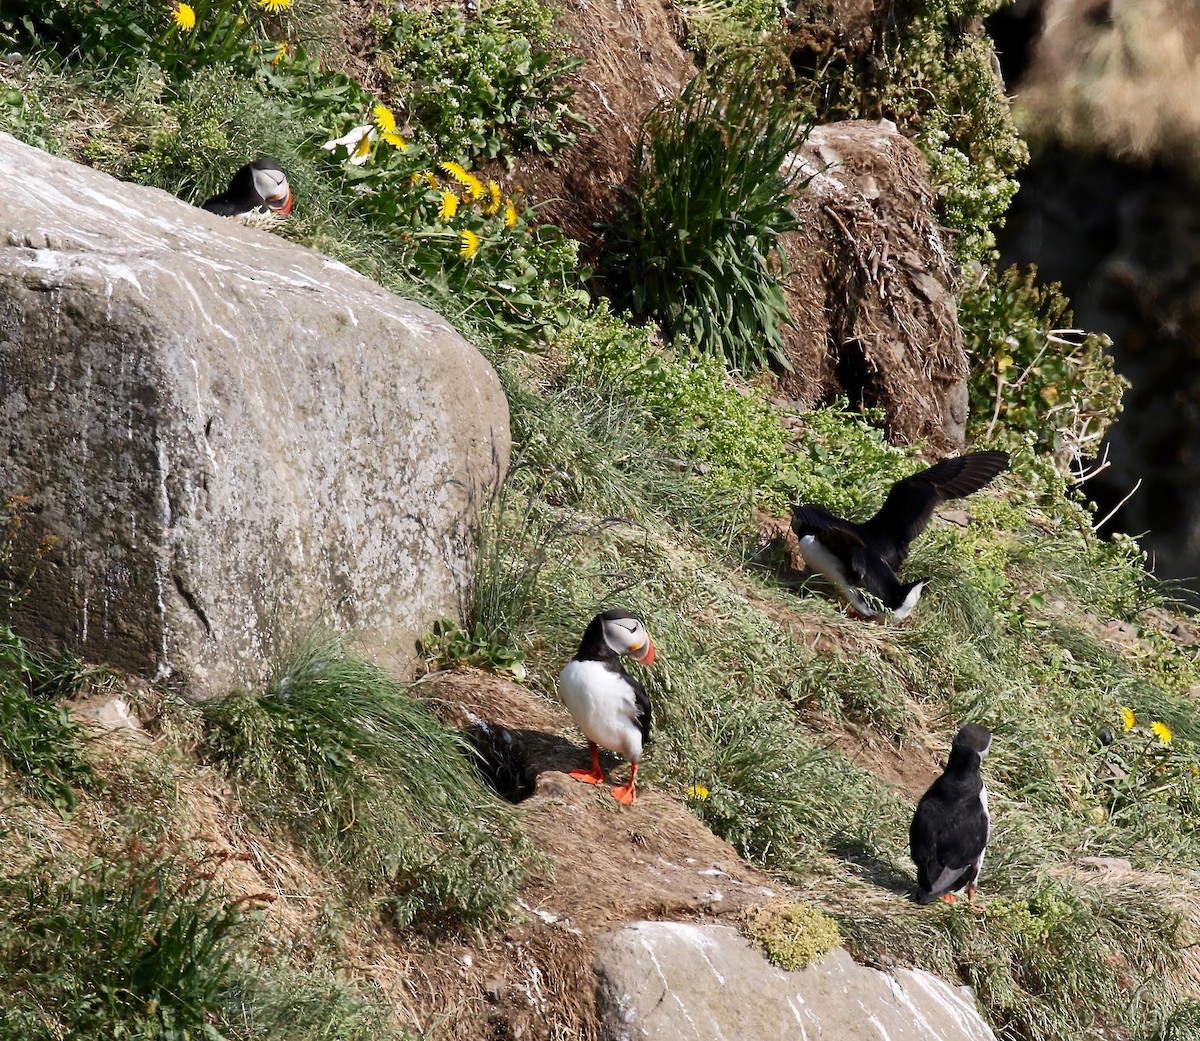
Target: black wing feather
{"points": [[911, 502], [644, 713]]}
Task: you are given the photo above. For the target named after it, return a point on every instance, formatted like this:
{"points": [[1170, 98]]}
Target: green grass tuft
{"points": [[360, 772]]}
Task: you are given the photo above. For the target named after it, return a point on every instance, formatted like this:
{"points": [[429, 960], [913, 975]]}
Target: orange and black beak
{"points": [[643, 655], [282, 208]]}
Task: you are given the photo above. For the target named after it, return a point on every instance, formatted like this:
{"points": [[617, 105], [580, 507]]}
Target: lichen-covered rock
{"points": [[870, 288], [676, 981], [232, 437]]}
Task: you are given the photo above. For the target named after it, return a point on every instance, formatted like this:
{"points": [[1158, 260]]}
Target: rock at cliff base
{"points": [[232, 437], [673, 981]]}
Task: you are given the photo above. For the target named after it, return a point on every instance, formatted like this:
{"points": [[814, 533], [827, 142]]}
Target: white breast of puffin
{"points": [[602, 704]]}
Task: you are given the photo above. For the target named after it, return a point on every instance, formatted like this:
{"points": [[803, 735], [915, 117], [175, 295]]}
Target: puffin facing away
{"points": [[606, 703], [257, 189], [949, 831], [866, 557]]}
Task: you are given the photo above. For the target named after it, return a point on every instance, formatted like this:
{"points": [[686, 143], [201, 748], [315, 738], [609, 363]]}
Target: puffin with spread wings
{"points": [[866, 557]]}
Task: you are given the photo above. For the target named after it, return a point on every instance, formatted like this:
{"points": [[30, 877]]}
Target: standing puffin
{"points": [[949, 831], [257, 189], [867, 556], [606, 703]]}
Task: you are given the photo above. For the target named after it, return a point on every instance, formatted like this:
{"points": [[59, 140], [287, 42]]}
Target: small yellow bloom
{"points": [[449, 205], [697, 791], [275, 5], [468, 180], [395, 140], [281, 50], [431, 180], [384, 119], [184, 15], [470, 243], [510, 214], [493, 196], [1127, 719], [1162, 732]]}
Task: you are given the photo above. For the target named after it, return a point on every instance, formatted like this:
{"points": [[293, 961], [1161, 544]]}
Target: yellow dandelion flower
{"points": [[183, 15], [468, 180], [431, 180], [493, 199], [275, 5], [469, 243], [510, 214], [281, 50], [384, 119], [697, 791], [395, 140], [1162, 732], [449, 205], [1127, 719]]}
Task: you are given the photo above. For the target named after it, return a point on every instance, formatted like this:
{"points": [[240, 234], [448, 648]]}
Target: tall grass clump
{"points": [[129, 944], [346, 761], [695, 242]]}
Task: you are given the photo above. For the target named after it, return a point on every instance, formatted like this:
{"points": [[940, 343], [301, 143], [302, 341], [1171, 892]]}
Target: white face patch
{"points": [[624, 635], [271, 185]]}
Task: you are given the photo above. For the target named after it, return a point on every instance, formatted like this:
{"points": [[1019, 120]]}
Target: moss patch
{"points": [[791, 934]]}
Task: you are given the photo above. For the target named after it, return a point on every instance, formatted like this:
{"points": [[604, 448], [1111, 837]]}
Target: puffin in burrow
{"points": [[867, 557], [258, 189], [949, 831], [606, 703]]}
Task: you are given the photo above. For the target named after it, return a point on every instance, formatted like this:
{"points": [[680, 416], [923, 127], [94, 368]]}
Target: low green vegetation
{"points": [[490, 85], [1033, 372], [137, 943]]}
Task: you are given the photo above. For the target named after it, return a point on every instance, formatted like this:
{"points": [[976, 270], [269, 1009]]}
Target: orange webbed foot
{"points": [[625, 794], [949, 898], [588, 776], [595, 775]]}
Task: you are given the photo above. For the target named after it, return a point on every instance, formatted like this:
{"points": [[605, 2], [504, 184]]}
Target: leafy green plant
{"points": [[481, 86], [178, 36], [132, 945], [1033, 373], [451, 644], [360, 772], [695, 242], [462, 233]]}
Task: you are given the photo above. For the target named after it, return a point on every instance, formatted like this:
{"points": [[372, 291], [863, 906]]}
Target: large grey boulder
{"points": [[231, 436], [676, 981]]}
